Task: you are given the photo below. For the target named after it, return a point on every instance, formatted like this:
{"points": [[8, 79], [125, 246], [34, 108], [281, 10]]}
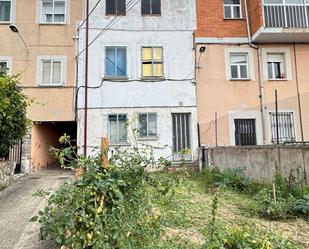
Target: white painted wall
{"points": [[173, 31], [162, 146]]}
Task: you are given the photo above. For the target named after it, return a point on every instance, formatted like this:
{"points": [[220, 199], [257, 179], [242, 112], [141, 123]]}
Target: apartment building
{"points": [[245, 51], [39, 45], [141, 88]]}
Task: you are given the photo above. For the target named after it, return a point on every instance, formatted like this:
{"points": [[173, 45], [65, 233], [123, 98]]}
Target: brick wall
{"points": [[211, 22], [256, 15]]}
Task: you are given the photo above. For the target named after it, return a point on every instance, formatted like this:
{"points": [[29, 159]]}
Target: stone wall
{"points": [[6, 172], [259, 161]]}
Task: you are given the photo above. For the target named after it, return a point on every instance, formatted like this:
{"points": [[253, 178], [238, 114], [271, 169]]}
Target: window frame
{"points": [[151, 14], [8, 61], [147, 137], [11, 12], [109, 129], [231, 6], [152, 63], [105, 64], [282, 66], [116, 10], [40, 60], [41, 16], [238, 66], [292, 123]]}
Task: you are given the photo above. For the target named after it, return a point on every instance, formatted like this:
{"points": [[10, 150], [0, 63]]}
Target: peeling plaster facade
{"points": [[172, 30]]}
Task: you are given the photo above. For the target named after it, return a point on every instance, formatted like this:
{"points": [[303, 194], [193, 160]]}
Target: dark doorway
{"points": [[245, 132]]}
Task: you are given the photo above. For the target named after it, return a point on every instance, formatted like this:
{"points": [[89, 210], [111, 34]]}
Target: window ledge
{"points": [[151, 15], [107, 78], [285, 79], [51, 86], [148, 139], [153, 79], [5, 23], [119, 145], [234, 19], [52, 23], [240, 79]]}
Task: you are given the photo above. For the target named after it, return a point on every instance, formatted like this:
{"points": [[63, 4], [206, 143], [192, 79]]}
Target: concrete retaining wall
{"points": [[260, 161], [6, 172]]}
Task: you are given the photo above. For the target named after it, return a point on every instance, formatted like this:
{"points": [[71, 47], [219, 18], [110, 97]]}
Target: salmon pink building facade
{"points": [[245, 51]]}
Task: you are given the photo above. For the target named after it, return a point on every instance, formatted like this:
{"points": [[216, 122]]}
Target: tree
{"points": [[13, 107]]}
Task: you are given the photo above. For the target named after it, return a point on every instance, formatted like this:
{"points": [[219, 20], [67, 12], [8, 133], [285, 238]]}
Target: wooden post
{"points": [[104, 148]]}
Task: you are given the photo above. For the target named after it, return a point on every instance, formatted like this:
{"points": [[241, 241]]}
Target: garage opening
{"points": [[46, 135]]}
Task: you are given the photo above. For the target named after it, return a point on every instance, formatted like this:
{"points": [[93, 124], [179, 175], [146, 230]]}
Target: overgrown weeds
{"points": [[281, 199]]}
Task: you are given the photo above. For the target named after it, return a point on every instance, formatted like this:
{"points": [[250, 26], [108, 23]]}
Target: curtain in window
{"points": [[46, 72], [116, 61], [113, 129], [152, 125], [59, 11], [57, 72]]}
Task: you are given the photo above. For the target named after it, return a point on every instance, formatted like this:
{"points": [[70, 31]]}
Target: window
{"points": [[152, 60], [276, 66], [118, 128], [4, 67], [5, 10], [116, 62], [232, 9], [245, 132], [239, 66], [115, 7], [147, 125], [53, 11], [151, 7], [286, 129], [51, 73]]}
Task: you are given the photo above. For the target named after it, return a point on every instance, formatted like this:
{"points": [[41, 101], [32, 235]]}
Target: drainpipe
{"points": [[86, 79], [298, 96], [260, 71]]}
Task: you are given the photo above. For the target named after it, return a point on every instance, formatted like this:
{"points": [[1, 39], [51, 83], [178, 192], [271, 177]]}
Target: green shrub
{"points": [[107, 208], [239, 237], [268, 207], [234, 179], [301, 206], [13, 120]]}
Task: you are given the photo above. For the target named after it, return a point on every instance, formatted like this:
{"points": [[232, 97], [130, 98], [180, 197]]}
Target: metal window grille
{"points": [[181, 131], [286, 128], [245, 132], [285, 15], [181, 136]]}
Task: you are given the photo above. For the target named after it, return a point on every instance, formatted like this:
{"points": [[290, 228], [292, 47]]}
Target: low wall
{"points": [[260, 161], [6, 172]]}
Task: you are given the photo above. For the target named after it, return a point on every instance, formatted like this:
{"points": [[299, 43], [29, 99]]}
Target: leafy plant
{"points": [[302, 206], [274, 209], [239, 237], [13, 105], [114, 207]]}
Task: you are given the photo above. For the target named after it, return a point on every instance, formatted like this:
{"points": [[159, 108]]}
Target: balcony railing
{"points": [[286, 15]]}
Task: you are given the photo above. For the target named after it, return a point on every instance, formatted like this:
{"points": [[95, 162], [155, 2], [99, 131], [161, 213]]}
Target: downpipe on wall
{"points": [[260, 72]]}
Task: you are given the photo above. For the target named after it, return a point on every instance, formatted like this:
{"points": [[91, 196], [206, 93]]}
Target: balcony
{"points": [[284, 22]]}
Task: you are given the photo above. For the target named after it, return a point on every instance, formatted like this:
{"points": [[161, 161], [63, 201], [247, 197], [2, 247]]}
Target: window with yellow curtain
{"points": [[152, 59]]}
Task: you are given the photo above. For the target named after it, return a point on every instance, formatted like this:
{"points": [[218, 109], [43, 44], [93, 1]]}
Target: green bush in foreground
{"points": [[13, 120], [107, 208]]}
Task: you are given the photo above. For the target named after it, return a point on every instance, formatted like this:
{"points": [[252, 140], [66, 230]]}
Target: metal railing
{"points": [[286, 15]]}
